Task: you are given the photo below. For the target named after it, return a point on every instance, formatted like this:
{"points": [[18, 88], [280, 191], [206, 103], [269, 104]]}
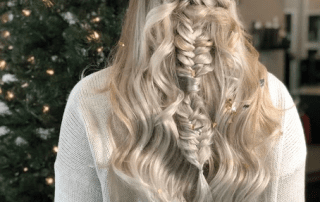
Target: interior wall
{"points": [[314, 5], [292, 3], [262, 10]]}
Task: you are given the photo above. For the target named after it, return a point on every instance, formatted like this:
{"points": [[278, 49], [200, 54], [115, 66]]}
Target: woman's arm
{"points": [[75, 174], [291, 185]]}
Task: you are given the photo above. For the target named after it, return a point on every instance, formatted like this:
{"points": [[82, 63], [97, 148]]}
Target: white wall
{"points": [[314, 4], [262, 10]]}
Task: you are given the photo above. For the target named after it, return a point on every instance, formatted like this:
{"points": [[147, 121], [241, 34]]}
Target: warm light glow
{"points": [[0, 91], [25, 169], [46, 108], [48, 3], [49, 180], [55, 149], [100, 49], [25, 85], [31, 59], [93, 36], [97, 19], [26, 12], [10, 95], [50, 71], [6, 34], [3, 64], [5, 18], [121, 44]]}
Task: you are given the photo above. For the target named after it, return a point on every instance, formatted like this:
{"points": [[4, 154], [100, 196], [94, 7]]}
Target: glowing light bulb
{"points": [[50, 72], [55, 149], [49, 180], [26, 12]]}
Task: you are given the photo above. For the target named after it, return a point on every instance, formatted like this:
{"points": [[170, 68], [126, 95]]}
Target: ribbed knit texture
{"points": [[82, 169]]}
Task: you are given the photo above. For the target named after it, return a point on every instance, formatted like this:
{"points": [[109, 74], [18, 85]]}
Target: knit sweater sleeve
{"points": [[293, 153], [75, 174]]}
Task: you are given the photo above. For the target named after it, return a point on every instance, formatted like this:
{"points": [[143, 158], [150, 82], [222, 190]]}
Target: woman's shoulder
{"points": [[279, 93]]}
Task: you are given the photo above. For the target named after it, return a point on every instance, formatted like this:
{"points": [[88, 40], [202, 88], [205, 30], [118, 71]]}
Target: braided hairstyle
{"points": [[195, 60], [181, 74]]}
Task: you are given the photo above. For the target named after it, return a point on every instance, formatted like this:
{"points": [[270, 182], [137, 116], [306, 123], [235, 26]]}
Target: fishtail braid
{"points": [[194, 60]]}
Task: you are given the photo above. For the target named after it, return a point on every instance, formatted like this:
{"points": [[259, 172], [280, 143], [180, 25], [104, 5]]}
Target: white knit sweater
{"points": [[81, 166]]}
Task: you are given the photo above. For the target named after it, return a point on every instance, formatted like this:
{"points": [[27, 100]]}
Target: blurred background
{"points": [[45, 45]]}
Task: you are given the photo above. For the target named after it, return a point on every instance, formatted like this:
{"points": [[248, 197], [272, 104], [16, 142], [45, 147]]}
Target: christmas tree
{"points": [[44, 47]]}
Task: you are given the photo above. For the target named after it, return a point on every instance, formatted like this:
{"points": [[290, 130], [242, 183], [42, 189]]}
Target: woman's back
{"points": [[188, 115]]}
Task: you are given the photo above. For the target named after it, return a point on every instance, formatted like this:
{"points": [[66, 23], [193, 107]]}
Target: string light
{"points": [[25, 85], [3, 64], [99, 50], [50, 72], [10, 95], [10, 47], [93, 36], [55, 149], [26, 12], [6, 34], [49, 180], [97, 19], [31, 59], [25, 169], [46, 108], [47, 3]]}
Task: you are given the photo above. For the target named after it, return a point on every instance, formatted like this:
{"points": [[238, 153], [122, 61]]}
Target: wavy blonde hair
{"points": [[185, 86]]}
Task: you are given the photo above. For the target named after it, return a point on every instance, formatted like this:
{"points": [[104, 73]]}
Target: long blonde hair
{"points": [[185, 86]]}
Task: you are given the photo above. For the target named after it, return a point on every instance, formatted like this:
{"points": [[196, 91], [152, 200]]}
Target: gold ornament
{"points": [[214, 124], [229, 103]]}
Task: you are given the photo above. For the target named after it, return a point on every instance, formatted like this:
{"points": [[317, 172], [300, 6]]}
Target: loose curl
{"points": [[185, 86]]}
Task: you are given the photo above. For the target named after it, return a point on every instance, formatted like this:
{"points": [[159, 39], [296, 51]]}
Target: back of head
{"points": [[185, 86]]}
